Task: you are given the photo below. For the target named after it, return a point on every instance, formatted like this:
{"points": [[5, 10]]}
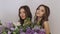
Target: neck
{"points": [[39, 18]]}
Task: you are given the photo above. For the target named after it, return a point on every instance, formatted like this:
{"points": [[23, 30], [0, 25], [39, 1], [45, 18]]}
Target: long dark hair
{"points": [[45, 16], [27, 12]]}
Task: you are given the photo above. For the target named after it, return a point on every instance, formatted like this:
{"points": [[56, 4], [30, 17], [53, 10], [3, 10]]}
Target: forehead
{"points": [[22, 9], [42, 7]]}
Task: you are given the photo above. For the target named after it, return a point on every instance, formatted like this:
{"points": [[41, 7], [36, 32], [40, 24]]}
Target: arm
{"points": [[46, 27]]}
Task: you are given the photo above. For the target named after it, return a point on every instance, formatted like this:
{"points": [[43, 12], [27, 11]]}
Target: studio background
{"points": [[9, 11]]}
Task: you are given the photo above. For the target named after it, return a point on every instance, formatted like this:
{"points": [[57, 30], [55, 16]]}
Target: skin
{"points": [[40, 13], [46, 25], [22, 13]]}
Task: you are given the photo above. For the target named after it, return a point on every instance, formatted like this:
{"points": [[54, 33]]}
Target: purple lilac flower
{"points": [[21, 30], [42, 31], [12, 29], [1, 28], [9, 25], [22, 33], [32, 31], [35, 33], [39, 32], [9, 32], [28, 31], [36, 27]]}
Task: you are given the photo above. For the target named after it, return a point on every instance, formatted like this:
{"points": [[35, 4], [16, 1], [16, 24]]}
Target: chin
{"points": [[23, 18]]}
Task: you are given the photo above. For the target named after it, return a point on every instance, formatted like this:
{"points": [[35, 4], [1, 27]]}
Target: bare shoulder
{"points": [[46, 26], [46, 23]]}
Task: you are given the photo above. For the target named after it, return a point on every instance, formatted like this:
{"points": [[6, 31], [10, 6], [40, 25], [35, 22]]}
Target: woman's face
{"points": [[22, 13], [40, 12]]}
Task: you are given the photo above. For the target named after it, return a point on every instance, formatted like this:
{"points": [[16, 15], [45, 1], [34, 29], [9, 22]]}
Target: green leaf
{"points": [[14, 32], [4, 33], [0, 22]]}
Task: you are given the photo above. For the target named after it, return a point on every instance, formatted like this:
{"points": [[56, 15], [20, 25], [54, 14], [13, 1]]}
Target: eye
{"points": [[42, 10], [23, 11]]}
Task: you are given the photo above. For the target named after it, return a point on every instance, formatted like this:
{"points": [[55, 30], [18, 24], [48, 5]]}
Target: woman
{"points": [[25, 18], [25, 15], [41, 17]]}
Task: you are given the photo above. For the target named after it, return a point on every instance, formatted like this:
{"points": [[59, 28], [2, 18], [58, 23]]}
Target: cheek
{"points": [[22, 15], [41, 13], [37, 14]]}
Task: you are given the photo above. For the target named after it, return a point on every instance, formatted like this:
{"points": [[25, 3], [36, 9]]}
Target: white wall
{"points": [[9, 11]]}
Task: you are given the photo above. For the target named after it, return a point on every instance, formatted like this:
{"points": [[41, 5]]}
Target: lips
{"points": [[23, 17]]}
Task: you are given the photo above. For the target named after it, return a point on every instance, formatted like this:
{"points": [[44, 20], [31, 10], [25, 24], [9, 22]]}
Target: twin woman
{"points": [[40, 18]]}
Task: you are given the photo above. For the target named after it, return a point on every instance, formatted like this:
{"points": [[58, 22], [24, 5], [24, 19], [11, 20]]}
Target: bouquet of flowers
{"points": [[27, 28]]}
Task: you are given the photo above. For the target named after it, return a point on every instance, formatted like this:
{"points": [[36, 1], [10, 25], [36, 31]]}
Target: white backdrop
{"points": [[9, 11]]}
